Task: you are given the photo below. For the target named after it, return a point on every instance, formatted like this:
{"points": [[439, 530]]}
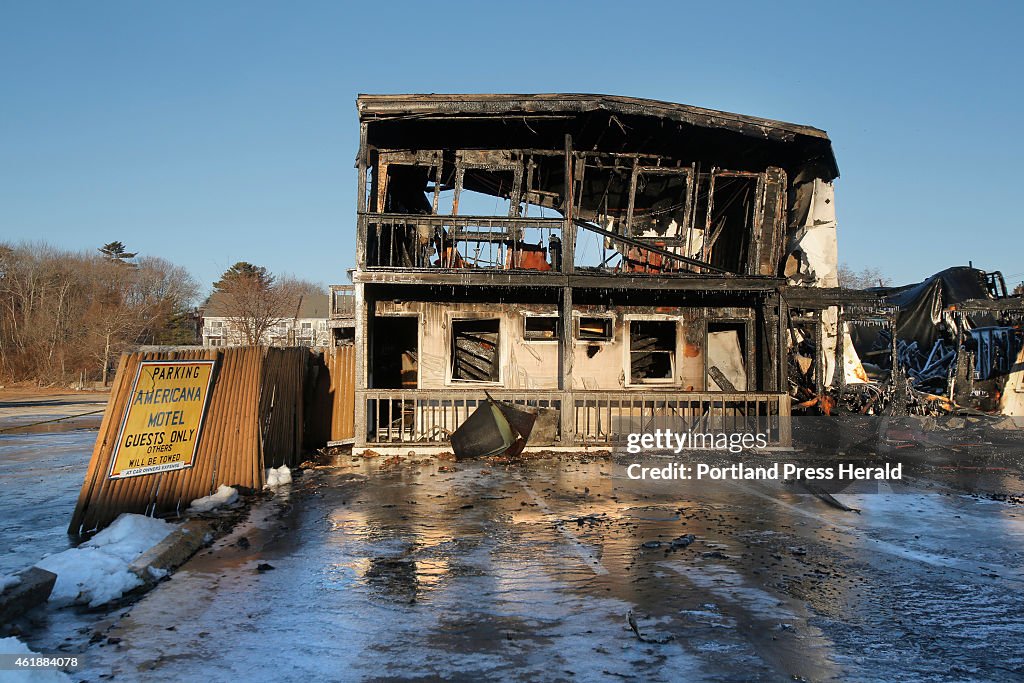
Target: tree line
{"points": [[66, 316]]}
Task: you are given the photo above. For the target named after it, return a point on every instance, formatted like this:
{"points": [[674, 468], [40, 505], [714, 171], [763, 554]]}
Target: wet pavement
{"points": [[420, 569]]}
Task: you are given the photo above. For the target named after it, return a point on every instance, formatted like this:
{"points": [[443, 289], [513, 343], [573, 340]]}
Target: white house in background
{"points": [[306, 326]]}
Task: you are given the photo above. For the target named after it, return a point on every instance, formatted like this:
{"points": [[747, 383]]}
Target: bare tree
{"points": [[862, 279], [65, 315], [254, 301], [130, 305], [39, 296], [298, 286], [1019, 290]]}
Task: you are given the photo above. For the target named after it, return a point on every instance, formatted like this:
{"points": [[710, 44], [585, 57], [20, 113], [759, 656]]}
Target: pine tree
{"points": [[245, 274], [115, 251]]}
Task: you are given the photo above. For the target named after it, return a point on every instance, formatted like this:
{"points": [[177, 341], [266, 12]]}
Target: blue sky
{"points": [[209, 133]]}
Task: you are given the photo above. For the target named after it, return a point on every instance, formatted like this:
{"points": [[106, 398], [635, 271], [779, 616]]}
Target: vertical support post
{"points": [[840, 376], [893, 348], [820, 363], [568, 226], [568, 415], [360, 303], [782, 355], [782, 374], [362, 382], [785, 422], [361, 202]]}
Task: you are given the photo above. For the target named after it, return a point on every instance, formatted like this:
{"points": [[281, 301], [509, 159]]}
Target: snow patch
{"points": [[279, 477], [8, 581], [96, 572], [225, 495], [13, 646], [156, 573]]}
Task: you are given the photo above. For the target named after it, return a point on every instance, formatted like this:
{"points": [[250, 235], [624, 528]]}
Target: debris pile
{"points": [[949, 344]]}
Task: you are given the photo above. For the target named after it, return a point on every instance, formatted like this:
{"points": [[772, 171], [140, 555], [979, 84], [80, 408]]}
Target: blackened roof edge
{"points": [[376, 107]]}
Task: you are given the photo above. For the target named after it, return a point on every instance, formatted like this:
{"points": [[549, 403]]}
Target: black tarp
{"points": [[921, 304]]}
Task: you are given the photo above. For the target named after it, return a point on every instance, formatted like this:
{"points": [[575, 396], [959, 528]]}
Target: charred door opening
{"points": [[726, 356], [652, 351], [731, 216], [395, 352], [475, 350], [407, 189], [806, 364]]}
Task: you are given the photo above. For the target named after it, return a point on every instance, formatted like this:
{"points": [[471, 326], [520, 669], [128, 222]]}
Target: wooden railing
{"points": [[342, 301], [599, 417], [456, 242], [430, 416], [608, 417]]}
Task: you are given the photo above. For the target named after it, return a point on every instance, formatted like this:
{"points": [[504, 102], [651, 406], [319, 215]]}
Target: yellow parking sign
{"points": [[164, 418]]}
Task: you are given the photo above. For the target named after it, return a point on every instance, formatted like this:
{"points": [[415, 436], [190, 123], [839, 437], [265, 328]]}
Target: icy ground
{"points": [[40, 477], [384, 570]]}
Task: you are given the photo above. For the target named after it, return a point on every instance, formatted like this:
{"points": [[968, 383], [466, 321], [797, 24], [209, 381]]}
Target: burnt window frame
{"points": [[542, 340], [577, 319], [673, 380], [690, 172], [476, 160], [386, 158], [748, 266], [617, 167], [450, 379]]}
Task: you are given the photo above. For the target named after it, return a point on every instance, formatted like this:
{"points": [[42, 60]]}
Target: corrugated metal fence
{"points": [[330, 381], [254, 420], [341, 364]]}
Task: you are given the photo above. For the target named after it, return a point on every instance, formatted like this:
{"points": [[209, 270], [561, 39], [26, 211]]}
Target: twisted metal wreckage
{"points": [[607, 262], [950, 344]]}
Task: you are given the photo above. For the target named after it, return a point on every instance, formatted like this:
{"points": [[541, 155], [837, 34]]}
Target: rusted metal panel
{"points": [[341, 365], [253, 419]]}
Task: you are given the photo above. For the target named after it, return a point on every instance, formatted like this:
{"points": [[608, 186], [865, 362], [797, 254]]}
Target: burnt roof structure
{"points": [[608, 123]]}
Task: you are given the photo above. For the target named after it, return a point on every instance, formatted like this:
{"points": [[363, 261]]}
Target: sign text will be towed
{"points": [[164, 419]]}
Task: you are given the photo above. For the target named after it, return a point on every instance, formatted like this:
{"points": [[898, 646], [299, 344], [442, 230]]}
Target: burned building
{"points": [[594, 258]]}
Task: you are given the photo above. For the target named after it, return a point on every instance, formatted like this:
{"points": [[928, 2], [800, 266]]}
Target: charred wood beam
{"points": [[640, 244], [482, 278], [798, 296], [454, 106], [721, 380], [1010, 304]]}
